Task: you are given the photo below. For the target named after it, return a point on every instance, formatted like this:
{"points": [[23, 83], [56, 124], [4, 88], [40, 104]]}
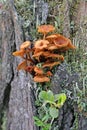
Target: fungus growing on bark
{"points": [[60, 41], [52, 47], [41, 44], [22, 65], [46, 51], [25, 45], [38, 70], [53, 56], [19, 53], [52, 37], [50, 64], [41, 78], [44, 29]]}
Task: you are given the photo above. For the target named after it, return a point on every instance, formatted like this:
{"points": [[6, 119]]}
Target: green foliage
{"points": [[43, 125], [53, 112], [48, 110]]}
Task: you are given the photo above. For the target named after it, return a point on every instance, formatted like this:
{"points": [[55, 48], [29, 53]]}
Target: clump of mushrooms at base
{"points": [[45, 53]]}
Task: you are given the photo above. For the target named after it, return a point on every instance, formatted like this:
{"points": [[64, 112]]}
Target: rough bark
{"points": [[20, 113]]}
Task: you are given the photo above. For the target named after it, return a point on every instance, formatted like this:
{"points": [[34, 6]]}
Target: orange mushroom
{"points": [[41, 44], [22, 65], [24, 45], [44, 29], [41, 78], [62, 42], [52, 37], [19, 53], [50, 64], [60, 57], [52, 47], [38, 70], [37, 55]]}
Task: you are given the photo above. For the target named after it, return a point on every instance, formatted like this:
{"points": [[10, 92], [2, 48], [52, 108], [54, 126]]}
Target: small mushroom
{"points": [[50, 64], [44, 29], [41, 44], [52, 47], [59, 57], [37, 55], [25, 44], [38, 70], [61, 41], [22, 65], [19, 53], [41, 78], [52, 37]]}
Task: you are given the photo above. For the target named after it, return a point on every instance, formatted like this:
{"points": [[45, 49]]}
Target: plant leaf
{"points": [[50, 96], [43, 95], [37, 121], [53, 112], [61, 99]]}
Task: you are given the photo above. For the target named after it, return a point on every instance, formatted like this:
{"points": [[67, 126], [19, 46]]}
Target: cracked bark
{"points": [[20, 113]]}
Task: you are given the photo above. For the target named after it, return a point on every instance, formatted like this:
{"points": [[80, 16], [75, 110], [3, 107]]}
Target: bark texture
{"points": [[17, 87], [20, 113]]}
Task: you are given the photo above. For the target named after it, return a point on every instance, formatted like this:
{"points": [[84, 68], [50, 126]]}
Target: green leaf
{"points": [[43, 95], [46, 126], [50, 96], [37, 121], [61, 99], [46, 118], [53, 112], [43, 125]]}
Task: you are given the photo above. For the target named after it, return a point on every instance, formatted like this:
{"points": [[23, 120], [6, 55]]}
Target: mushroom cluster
{"points": [[45, 53]]}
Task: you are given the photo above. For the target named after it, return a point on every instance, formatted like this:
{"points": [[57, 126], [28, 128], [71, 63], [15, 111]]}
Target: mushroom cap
{"points": [[50, 64], [38, 70], [59, 57], [52, 47], [52, 37], [61, 41], [19, 53], [41, 44], [41, 78], [22, 65], [38, 54], [46, 28], [25, 44]]}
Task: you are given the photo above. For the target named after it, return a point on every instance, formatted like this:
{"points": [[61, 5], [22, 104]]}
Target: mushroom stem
{"points": [[44, 37]]}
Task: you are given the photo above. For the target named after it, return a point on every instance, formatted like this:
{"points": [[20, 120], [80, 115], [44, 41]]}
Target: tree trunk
{"points": [[19, 84], [17, 87]]}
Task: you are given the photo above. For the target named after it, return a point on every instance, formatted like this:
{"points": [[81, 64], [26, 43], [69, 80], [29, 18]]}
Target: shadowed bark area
{"points": [[17, 87]]}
